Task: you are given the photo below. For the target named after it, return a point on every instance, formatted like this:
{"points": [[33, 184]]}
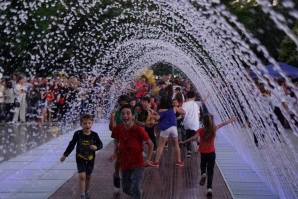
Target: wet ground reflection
{"points": [[19, 138]]}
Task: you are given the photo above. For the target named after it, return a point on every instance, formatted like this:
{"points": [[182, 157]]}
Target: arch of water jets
{"points": [[207, 44]]}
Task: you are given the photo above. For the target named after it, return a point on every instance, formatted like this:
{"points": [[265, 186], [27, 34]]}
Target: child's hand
{"points": [[150, 125], [62, 158], [233, 118], [112, 158], [113, 113], [93, 147], [181, 143], [147, 161]]}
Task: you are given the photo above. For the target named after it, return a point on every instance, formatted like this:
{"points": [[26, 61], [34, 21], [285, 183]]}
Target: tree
{"points": [[288, 51]]}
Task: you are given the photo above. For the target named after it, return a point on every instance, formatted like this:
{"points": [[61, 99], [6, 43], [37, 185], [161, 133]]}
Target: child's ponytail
{"points": [[209, 128]]}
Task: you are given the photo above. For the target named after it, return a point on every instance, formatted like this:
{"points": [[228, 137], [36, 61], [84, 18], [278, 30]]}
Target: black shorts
{"points": [[85, 167]]}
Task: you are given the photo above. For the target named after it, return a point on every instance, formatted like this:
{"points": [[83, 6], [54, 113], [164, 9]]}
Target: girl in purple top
{"points": [[167, 123]]}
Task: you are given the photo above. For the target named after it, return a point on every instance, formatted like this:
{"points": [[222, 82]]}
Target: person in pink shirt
{"points": [[141, 88], [207, 135]]}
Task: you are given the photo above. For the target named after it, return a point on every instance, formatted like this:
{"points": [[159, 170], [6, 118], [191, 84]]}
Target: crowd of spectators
{"points": [[64, 98]]}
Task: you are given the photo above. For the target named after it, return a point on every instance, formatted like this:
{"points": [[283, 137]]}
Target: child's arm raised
{"points": [[232, 119], [112, 123], [204, 101]]}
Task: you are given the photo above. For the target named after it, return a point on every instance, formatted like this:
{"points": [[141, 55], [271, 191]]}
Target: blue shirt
{"points": [[167, 119]]}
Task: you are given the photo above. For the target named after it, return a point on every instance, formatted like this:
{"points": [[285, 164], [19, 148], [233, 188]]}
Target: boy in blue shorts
{"points": [[87, 142]]}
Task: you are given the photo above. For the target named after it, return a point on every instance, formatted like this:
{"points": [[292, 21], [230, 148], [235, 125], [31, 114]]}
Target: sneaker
{"points": [[180, 164], [116, 181], [83, 197], [87, 195], [203, 179], [209, 192], [188, 155], [154, 164]]}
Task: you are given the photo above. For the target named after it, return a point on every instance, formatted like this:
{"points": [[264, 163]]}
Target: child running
{"points": [[207, 135], [114, 121], [87, 142], [129, 150], [167, 123]]}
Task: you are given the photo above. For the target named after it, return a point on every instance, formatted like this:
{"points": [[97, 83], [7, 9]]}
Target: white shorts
{"points": [[169, 132]]}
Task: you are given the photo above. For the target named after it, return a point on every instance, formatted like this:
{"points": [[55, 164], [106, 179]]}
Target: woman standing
{"points": [[20, 100]]}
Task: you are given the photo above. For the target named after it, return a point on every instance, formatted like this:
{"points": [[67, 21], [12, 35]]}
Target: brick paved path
{"points": [[165, 182]]}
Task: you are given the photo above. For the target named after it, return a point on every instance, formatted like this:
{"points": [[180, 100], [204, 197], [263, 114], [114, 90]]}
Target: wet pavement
{"points": [[19, 138], [30, 168]]}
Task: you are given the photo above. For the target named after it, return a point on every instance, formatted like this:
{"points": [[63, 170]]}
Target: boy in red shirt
{"points": [[130, 139]]}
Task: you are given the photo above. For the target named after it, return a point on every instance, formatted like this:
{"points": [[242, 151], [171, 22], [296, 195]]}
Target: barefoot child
{"points": [[87, 142], [130, 139], [206, 148]]}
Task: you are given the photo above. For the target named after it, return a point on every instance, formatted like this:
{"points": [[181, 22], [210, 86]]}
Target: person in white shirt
{"points": [[21, 104], [191, 119]]}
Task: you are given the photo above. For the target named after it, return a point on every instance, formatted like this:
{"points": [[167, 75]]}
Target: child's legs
{"points": [[136, 178], [203, 164], [117, 166], [152, 137], [176, 148], [161, 145], [174, 136], [85, 169], [189, 134], [82, 182], [89, 169], [126, 182], [210, 169], [179, 129]]}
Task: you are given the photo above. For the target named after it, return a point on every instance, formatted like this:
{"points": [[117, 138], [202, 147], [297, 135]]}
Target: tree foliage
{"points": [[288, 51]]}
